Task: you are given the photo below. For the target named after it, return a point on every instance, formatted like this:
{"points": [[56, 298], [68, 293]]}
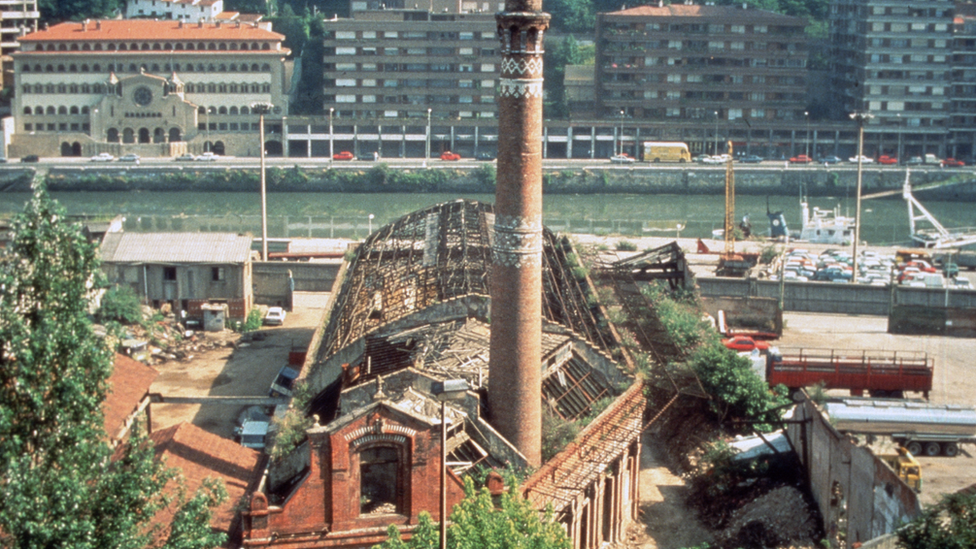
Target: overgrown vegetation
{"points": [[626, 246], [556, 433], [477, 522], [949, 524], [737, 391], [289, 430], [120, 304]]}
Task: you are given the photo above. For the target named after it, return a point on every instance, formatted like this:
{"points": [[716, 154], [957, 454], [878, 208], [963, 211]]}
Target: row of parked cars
{"points": [[874, 269]]}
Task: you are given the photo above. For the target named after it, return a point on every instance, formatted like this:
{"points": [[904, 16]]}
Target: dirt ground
{"points": [[247, 370]]}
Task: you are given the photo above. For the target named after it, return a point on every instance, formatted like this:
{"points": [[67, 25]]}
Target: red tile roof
{"points": [[146, 30], [200, 455], [128, 384]]}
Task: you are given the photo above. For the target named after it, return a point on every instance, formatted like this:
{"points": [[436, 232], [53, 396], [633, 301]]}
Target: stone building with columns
{"points": [[154, 88]]}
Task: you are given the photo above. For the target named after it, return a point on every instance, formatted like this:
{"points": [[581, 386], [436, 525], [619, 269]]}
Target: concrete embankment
{"points": [[787, 180]]}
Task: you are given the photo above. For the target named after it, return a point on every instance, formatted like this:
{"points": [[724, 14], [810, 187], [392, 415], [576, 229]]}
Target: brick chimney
{"points": [[515, 383]]}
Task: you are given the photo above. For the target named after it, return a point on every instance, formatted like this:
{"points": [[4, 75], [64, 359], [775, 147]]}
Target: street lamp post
{"points": [[716, 133], [452, 389], [858, 117], [898, 153], [331, 136], [370, 223], [806, 114], [620, 134], [262, 109], [427, 148]]}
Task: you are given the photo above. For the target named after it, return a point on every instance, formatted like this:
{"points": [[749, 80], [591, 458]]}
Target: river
{"points": [[345, 215]]}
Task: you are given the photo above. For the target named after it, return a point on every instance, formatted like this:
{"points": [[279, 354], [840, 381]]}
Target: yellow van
{"points": [[666, 151]]}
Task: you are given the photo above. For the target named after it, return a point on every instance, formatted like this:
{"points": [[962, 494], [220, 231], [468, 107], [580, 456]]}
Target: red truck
{"points": [[880, 373]]}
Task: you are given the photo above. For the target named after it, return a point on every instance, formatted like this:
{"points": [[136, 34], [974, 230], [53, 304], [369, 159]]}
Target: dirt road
{"points": [[245, 371]]}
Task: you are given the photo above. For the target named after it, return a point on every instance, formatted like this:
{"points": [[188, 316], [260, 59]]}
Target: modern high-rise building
{"points": [[893, 59], [693, 62], [18, 18]]}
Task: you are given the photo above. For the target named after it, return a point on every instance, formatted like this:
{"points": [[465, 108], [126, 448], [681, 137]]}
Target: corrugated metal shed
{"points": [[216, 248]]}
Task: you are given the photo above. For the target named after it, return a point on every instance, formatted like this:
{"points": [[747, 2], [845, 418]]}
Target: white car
{"points": [[207, 157], [717, 159], [275, 316], [102, 157], [621, 159], [864, 160], [131, 157]]}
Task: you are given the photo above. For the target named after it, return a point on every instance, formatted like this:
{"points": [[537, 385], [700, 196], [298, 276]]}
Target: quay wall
{"points": [[609, 179]]}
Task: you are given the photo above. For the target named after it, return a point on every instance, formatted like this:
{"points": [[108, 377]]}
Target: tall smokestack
{"points": [[516, 281]]}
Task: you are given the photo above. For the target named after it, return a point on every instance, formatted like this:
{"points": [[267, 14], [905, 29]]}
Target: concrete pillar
{"points": [[515, 382]]}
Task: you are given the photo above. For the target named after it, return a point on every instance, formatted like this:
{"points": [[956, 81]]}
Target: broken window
{"points": [[378, 481], [169, 273], [218, 274]]}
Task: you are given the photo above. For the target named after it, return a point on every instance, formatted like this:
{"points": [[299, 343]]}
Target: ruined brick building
{"points": [[412, 308]]}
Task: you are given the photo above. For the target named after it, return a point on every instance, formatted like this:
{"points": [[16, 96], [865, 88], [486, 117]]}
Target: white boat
{"points": [[826, 226], [937, 236]]}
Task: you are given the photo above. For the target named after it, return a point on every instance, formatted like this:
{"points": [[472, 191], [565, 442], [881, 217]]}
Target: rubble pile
{"points": [[169, 340], [779, 518]]}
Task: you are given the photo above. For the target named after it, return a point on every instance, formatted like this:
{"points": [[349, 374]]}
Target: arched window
{"points": [[27, 88], [49, 68], [202, 110], [84, 68], [62, 110], [123, 47], [110, 68], [73, 88], [98, 47], [74, 47], [128, 135], [98, 88], [50, 47], [49, 88], [201, 46], [179, 47], [39, 88], [223, 47], [188, 88], [266, 67], [233, 111], [37, 68], [113, 135], [244, 46], [233, 88], [50, 110], [167, 46], [233, 67], [62, 47], [159, 136], [254, 67], [72, 68], [86, 88], [245, 110], [62, 88], [144, 135], [211, 88], [73, 110], [212, 110], [134, 47], [222, 88], [232, 46], [133, 67], [200, 68], [265, 46], [60, 68], [26, 68], [380, 479], [211, 46], [84, 110], [255, 46], [157, 47], [222, 68], [174, 135], [155, 67], [244, 67], [110, 47], [27, 110], [212, 68], [38, 110], [86, 47], [222, 110]]}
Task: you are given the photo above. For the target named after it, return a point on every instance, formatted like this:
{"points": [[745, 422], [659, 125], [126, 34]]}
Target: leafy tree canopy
{"points": [[477, 523], [59, 484]]}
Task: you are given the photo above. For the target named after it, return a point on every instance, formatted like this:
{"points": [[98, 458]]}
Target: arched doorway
{"points": [[65, 149], [76, 149], [175, 135], [128, 136], [113, 135], [159, 136], [144, 135], [218, 148], [273, 148]]}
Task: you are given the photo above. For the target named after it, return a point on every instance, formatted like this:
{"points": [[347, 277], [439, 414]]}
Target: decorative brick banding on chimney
{"points": [[516, 281]]}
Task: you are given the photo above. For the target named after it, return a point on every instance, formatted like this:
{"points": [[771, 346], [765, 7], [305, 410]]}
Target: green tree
{"points": [[120, 304], [949, 524], [736, 390], [58, 483], [476, 523], [564, 52], [76, 10]]}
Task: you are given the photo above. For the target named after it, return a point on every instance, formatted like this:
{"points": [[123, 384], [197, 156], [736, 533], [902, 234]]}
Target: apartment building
{"points": [[18, 18], [694, 62], [389, 66], [188, 10], [893, 60], [962, 124], [154, 88]]}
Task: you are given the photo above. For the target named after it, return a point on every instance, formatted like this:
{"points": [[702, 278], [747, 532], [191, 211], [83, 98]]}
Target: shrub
{"points": [[253, 321], [556, 434], [626, 246], [121, 304]]}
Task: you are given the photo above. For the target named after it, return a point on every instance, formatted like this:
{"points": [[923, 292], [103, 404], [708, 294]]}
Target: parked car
{"points": [[131, 157], [717, 159], [953, 163], [864, 160], [207, 157], [275, 316], [344, 155], [185, 157], [751, 159], [621, 159], [283, 382], [30, 158], [102, 157], [701, 158], [915, 161], [745, 343], [831, 159], [885, 159], [801, 159], [486, 156], [448, 155], [368, 157]]}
